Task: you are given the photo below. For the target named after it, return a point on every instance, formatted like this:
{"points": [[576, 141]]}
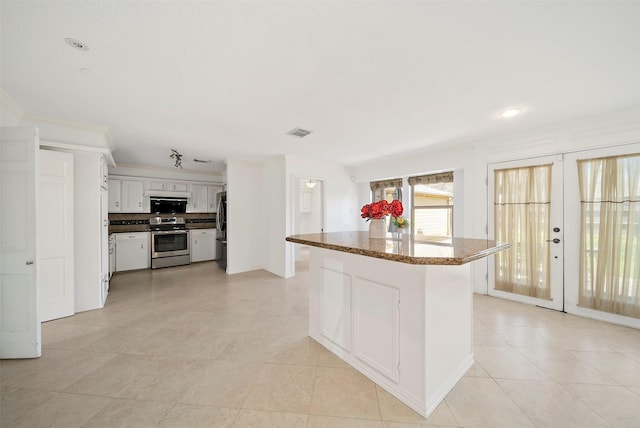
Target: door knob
{"points": [[556, 229]]}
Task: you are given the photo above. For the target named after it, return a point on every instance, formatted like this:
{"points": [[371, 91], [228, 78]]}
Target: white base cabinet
{"points": [[406, 327], [112, 254], [203, 244], [132, 251]]}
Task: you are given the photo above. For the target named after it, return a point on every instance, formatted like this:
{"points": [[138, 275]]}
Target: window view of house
{"points": [[432, 205]]}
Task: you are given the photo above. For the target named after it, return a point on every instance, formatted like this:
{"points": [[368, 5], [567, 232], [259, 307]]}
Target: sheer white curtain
{"points": [[610, 234], [522, 200]]}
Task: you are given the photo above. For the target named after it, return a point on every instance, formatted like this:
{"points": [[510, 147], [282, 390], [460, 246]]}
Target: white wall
{"points": [[471, 160], [246, 206], [459, 159], [341, 195], [10, 111], [274, 208]]}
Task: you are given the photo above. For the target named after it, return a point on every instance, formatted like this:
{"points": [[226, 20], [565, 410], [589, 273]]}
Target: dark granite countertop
{"points": [[403, 248]]}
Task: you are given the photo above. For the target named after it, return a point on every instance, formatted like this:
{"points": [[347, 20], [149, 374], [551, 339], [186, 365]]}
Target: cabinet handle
{"points": [[195, 242], [142, 246], [140, 204], [117, 204], [29, 262]]}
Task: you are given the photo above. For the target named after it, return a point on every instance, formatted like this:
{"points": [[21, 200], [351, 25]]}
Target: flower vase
{"points": [[377, 229]]}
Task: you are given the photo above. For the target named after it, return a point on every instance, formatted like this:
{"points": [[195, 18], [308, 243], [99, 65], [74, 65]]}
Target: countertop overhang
{"points": [[404, 248]]}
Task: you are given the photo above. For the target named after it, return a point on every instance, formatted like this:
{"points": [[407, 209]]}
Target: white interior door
{"points": [[528, 215], [19, 317], [55, 238]]}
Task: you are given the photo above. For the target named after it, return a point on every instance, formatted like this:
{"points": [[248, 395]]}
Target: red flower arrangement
{"points": [[380, 209]]}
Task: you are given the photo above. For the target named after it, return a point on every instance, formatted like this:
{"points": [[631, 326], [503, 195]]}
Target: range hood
{"points": [[167, 194]]}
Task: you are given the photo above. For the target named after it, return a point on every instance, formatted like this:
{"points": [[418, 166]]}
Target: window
{"points": [[432, 205], [387, 190]]}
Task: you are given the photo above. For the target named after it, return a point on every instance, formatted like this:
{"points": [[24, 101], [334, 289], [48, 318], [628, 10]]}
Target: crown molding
{"points": [[151, 168], [10, 104], [68, 123]]}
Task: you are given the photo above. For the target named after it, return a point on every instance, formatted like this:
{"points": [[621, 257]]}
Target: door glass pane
{"points": [[522, 202]]}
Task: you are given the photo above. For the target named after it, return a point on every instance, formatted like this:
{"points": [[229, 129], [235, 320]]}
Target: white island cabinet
{"points": [[397, 310], [203, 244], [132, 251]]}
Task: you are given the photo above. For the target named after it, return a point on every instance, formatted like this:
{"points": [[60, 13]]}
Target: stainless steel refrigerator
{"points": [[221, 230]]}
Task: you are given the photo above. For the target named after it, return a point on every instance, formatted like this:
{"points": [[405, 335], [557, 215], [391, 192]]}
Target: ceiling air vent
{"points": [[299, 132]]}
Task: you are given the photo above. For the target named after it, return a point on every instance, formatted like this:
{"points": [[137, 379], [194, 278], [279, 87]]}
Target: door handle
{"points": [[554, 240]]}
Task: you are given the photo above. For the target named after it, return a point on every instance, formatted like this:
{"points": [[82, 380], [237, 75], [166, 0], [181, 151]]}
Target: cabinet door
{"points": [[132, 251], [112, 255], [212, 192], [132, 196], [104, 173], [115, 196], [199, 198], [202, 245], [156, 185]]}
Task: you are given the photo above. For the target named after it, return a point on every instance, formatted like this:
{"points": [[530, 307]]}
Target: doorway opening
{"points": [[307, 215]]}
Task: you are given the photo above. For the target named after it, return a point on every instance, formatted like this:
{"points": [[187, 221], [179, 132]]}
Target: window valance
{"points": [[441, 177], [383, 184]]}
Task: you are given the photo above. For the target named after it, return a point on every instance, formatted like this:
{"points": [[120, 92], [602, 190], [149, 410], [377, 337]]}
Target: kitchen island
{"points": [[399, 310]]}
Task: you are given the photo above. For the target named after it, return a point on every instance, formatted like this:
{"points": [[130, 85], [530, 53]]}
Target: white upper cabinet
{"points": [[199, 201], [132, 196], [168, 186], [104, 173], [203, 198], [126, 196], [115, 203]]}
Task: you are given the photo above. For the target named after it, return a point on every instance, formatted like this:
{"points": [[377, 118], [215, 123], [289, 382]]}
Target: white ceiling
{"points": [[219, 80]]}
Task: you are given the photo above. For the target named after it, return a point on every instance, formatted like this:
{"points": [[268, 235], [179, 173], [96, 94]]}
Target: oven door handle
{"points": [[166, 232]]}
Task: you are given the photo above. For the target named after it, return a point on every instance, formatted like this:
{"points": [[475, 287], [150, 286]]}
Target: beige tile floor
{"points": [[190, 346]]}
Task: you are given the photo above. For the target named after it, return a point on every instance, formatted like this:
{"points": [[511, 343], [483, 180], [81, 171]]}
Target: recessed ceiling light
{"points": [[510, 112], [77, 44]]}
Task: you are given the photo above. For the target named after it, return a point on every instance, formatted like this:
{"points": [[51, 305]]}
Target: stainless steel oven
{"points": [[169, 242]]}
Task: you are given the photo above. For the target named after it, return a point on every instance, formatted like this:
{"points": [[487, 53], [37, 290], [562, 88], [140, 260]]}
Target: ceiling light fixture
{"points": [[510, 112], [299, 132], [310, 184], [77, 44], [177, 157]]}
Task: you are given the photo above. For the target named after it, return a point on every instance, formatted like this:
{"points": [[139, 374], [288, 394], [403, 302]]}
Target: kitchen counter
{"points": [[399, 310], [403, 248]]}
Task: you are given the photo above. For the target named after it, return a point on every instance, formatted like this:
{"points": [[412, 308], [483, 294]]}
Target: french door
{"points": [[525, 208], [538, 206]]}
